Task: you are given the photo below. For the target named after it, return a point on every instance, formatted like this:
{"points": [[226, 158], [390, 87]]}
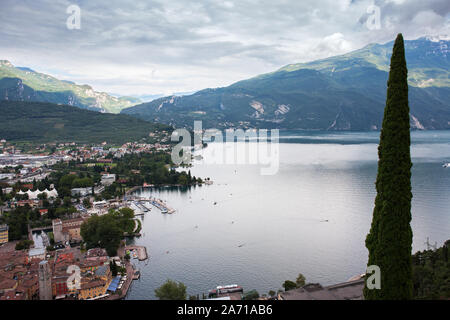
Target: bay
{"points": [[311, 217]]}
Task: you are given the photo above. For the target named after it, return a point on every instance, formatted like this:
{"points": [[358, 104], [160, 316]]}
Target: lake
{"points": [[311, 217]]}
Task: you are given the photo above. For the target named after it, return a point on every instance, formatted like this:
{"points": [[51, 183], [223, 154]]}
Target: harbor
{"points": [[144, 205]]}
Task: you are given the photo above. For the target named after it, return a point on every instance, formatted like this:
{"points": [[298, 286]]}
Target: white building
{"points": [[108, 179], [81, 192], [37, 253], [7, 176]]}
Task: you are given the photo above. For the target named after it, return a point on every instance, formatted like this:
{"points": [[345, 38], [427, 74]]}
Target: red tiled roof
{"points": [[7, 284], [93, 284]]}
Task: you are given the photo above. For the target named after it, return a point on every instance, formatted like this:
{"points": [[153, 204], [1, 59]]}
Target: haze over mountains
{"points": [[24, 84], [346, 92]]}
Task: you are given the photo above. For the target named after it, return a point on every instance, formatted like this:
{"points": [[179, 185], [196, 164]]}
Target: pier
{"points": [[161, 206], [141, 252]]}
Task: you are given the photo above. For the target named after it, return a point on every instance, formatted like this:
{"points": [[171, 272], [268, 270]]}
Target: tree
{"points": [[86, 203], [113, 268], [24, 244], [183, 179], [42, 196], [300, 281], [67, 180], [106, 231], [390, 237], [272, 293], [67, 201], [289, 285], [171, 290], [251, 295]]}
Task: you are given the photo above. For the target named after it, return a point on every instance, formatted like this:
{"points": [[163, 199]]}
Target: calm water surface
{"points": [[311, 217]]}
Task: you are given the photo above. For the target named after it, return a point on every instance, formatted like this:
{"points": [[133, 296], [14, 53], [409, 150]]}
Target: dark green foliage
{"points": [[113, 267], [51, 237], [390, 238], [107, 231], [300, 281], [82, 183], [251, 295], [45, 122], [17, 221], [431, 273], [289, 285], [171, 290], [153, 169], [24, 244]]}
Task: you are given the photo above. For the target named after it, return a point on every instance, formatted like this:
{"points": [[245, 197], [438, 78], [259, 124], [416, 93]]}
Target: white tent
{"points": [[33, 195]]}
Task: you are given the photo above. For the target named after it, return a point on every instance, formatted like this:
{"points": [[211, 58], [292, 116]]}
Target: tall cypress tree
{"points": [[390, 237]]}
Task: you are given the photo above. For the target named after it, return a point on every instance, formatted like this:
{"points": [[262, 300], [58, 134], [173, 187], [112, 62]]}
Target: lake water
{"points": [[264, 230]]}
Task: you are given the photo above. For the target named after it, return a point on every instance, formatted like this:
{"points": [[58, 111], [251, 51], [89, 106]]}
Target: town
{"points": [[49, 194]]}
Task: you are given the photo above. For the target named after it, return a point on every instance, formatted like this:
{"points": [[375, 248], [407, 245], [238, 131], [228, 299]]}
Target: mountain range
{"points": [[346, 92], [25, 84]]}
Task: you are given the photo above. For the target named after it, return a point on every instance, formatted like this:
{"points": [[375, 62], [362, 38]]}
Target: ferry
{"points": [[225, 289]]}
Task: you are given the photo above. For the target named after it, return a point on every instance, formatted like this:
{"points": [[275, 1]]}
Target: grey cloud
{"points": [[196, 44]]}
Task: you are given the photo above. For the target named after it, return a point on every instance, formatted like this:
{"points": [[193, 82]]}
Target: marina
{"points": [[143, 205]]}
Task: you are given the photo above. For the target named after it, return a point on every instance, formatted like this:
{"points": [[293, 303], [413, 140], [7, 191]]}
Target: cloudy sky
{"points": [[166, 46]]}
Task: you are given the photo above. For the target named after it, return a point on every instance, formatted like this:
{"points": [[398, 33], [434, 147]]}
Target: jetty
{"points": [[161, 205], [140, 252]]}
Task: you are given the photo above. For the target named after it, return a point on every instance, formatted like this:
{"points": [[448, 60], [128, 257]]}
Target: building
{"points": [[7, 176], [81, 192], [108, 179], [29, 286], [3, 233], [7, 285], [67, 230], [36, 253], [92, 288], [104, 273], [96, 253], [45, 281], [350, 290], [23, 203]]}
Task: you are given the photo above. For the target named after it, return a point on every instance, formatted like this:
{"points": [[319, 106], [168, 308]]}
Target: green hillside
{"points": [[24, 84], [428, 61], [45, 122], [346, 92]]}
